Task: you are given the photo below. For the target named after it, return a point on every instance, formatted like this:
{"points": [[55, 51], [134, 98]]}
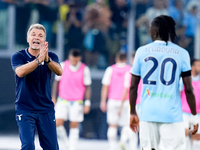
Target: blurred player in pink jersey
{"points": [[73, 86], [132, 136], [112, 88], [195, 64]]}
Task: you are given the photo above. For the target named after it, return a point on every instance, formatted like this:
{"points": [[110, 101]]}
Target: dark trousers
{"points": [[46, 127]]}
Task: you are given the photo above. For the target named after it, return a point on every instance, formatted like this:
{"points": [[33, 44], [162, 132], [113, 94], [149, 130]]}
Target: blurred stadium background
{"points": [[100, 28]]}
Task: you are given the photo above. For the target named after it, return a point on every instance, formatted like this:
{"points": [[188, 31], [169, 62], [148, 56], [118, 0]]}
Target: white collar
{"points": [[195, 78], [75, 68], [159, 41], [121, 64]]}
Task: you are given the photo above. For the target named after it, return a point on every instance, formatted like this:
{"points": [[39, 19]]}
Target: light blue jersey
{"points": [[160, 66]]}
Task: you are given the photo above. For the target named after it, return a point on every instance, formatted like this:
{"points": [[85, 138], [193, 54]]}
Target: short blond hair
{"points": [[36, 26]]}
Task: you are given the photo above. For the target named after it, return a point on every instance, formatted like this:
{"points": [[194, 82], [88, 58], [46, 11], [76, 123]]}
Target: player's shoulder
{"points": [[62, 63], [146, 46], [108, 69], [52, 54], [181, 50], [82, 63], [85, 66], [176, 46], [21, 53], [142, 49]]}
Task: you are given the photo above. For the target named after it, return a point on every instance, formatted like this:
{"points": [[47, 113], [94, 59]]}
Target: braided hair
{"points": [[165, 27]]}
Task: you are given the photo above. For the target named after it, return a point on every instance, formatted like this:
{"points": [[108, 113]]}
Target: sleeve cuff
{"points": [[186, 74]]}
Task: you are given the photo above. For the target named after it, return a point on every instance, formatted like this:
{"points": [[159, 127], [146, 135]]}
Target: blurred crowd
{"points": [[99, 27]]}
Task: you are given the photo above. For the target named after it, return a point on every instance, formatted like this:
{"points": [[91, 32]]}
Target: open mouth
{"points": [[36, 42]]}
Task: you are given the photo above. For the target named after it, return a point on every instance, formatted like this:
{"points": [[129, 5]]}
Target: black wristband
{"points": [[48, 60]]}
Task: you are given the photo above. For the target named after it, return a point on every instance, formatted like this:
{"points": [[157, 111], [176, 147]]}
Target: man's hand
{"points": [[195, 129], [86, 109], [194, 121], [47, 55], [134, 123], [120, 110], [54, 100], [43, 52], [103, 106]]}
